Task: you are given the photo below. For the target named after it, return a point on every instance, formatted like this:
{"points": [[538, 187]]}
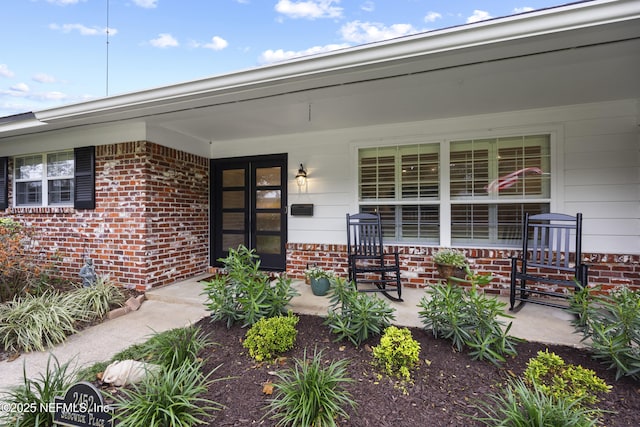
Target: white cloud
{"points": [[82, 29], [523, 9], [217, 43], [368, 6], [19, 88], [147, 4], [366, 32], [432, 17], [478, 15], [271, 56], [43, 78], [5, 71], [310, 9], [164, 40], [64, 2]]}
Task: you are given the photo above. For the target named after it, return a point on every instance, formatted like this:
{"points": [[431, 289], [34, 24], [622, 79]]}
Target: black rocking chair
{"points": [[545, 259], [368, 263]]}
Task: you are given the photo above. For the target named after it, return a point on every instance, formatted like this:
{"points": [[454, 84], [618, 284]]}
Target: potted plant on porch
{"points": [[319, 279], [450, 262]]}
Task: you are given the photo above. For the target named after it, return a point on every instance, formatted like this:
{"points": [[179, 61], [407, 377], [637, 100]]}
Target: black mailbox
{"points": [[303, 209]]}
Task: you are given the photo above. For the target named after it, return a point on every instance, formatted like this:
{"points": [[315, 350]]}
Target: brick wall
{"points": [[150, 226], [418, 270]]}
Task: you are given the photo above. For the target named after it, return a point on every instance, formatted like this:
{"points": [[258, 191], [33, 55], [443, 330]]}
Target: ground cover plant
{"points": [[446, 385]]}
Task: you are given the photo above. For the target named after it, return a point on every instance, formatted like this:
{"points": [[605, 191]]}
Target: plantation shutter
{"points": [[84, 178], [4, 183]]}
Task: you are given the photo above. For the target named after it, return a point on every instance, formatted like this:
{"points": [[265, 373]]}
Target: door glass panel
{"points": [[268, 244], [232, 241], [233, 200], [268, 199], [268, 222], [233, 221], [267, 176], [233, 178]]}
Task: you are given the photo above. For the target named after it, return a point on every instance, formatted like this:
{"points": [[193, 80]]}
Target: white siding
{"points": [[596, 158]]}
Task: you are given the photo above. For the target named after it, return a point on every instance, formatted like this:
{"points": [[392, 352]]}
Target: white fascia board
{"points": [[546, 21]]}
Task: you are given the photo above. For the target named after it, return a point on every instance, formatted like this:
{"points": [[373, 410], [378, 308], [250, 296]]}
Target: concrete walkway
{"points": [[181, 304]]}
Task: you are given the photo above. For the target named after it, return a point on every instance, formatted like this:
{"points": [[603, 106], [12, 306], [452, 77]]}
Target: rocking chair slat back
{"points": [[551, 254]]}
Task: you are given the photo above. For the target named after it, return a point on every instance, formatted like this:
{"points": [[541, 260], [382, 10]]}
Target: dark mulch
{"points": [[446, 384]]}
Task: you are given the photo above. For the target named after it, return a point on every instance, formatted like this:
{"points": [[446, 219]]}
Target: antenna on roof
{"points": [[107, 66]]}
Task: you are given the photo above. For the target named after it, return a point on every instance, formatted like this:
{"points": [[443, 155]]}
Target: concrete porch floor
{"points": [[533, 322], [182, 303]]}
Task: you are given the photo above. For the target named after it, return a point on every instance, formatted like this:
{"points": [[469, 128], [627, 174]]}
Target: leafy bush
{"points": [[244, 293], [397, 352], [34, 396], [34, 323], [554, 377], [169, 398], [309, 394], [95, 301], [612, 323], [524, 406], [270, 336], [450, 257], [22, 265], [355, 315], [469, 319]]}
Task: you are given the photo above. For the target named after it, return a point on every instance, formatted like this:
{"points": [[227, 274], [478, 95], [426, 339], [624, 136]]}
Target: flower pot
{"points": [[446, 271], [320, 286]]}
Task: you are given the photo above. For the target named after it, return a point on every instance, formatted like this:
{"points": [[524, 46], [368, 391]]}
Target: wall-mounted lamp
{"points": [[301, 176]]}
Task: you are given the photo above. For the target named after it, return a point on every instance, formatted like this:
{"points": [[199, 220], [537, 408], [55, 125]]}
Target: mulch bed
{"points": [[445, 386]]}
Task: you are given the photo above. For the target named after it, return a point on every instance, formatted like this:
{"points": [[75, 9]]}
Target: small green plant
{"points": [[611, 323], [169, 398], [450, 257], [174, 347], [356, 316], [32, 398], [271, 336], [469, 319], [397, 352], [31, 323], [95, 301], [554, 377], [244, 293], [319, 273], [311, 394], [523, 406]]}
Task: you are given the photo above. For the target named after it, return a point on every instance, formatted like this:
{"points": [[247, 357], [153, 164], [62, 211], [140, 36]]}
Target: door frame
{"points": [[215, 208]]}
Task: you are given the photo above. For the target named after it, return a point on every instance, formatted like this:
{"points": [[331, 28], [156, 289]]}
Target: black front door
{"points": [[248, 207]]}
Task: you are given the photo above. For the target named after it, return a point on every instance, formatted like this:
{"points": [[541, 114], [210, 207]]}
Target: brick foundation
{"points": [[418, 270]]}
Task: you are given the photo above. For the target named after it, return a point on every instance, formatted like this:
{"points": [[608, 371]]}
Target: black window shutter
{"points": [[85, 178], [4, 183]]}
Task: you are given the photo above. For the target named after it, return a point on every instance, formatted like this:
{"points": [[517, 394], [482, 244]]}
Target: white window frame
{"points": [[445, 202], [44, 180]]}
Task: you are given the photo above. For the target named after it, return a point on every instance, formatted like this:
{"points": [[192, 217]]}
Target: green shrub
{"points": [[35, 323], [33, 397], [169, 398], [95, 301], [244, 293], [355, 315], [611, 324], [270, 336], [397, 352], [469, 319], [554, 377], [523, 406], [310, 394]]}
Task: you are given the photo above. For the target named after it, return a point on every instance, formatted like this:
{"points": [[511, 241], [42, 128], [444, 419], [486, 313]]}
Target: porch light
{"points": [[301, 176]]}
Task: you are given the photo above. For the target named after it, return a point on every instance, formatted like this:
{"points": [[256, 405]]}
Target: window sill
{"points": [[35, 210]]}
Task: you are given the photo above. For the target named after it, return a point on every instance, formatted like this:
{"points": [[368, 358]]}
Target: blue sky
{"points": [[54, 52]]}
